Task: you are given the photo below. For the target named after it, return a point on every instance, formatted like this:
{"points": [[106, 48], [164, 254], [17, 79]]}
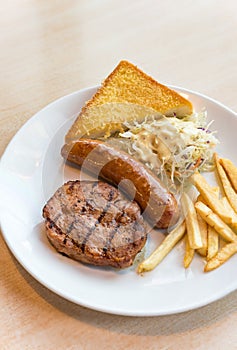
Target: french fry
{"points": [[189, 253], [231, 171], [222, 256], [203, 231], [212, 242], [163, 249], [228, 189], [228, 206], [215, 221], [211, 199], [203, 225], [215, 190], [193, 230]]}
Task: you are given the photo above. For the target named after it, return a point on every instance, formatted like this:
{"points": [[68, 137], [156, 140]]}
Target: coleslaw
{"points": [[171, 145]]}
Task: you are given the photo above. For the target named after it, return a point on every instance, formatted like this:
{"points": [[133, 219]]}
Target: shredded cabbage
{"points": [[175, 146]]}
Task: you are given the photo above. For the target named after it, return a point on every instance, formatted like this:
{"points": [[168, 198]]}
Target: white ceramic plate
{"points": [[31, 169]]}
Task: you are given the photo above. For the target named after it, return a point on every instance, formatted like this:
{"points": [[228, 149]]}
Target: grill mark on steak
{"points": [[111, 195], [71, 226], [83, 209], [113, 233], [111, 236], [99, 219]]}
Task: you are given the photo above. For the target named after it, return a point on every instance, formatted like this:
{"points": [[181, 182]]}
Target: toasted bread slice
{"points": [[127, 94]]}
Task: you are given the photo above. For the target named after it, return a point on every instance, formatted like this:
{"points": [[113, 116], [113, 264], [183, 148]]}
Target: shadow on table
{"points": [[159, 325]]}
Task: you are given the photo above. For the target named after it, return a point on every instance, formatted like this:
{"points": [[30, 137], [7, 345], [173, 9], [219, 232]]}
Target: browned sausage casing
{"points": [[158, 204]]}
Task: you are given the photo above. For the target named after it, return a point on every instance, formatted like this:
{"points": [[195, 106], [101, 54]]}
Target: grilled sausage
{"points": [[159, 206]]}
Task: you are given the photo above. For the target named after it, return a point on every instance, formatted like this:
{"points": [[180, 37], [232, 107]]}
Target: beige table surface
{"points": [[52, 48]]}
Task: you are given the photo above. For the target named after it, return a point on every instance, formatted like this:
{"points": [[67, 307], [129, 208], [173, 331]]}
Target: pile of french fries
{"points": [[209, 227]]}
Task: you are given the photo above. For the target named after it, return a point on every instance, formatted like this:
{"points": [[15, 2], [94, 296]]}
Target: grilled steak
{"points": [[94, 223]]}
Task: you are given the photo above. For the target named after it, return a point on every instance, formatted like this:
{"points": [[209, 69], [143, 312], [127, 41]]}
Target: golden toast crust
{"points": [[128, 84], [120, 86]]}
